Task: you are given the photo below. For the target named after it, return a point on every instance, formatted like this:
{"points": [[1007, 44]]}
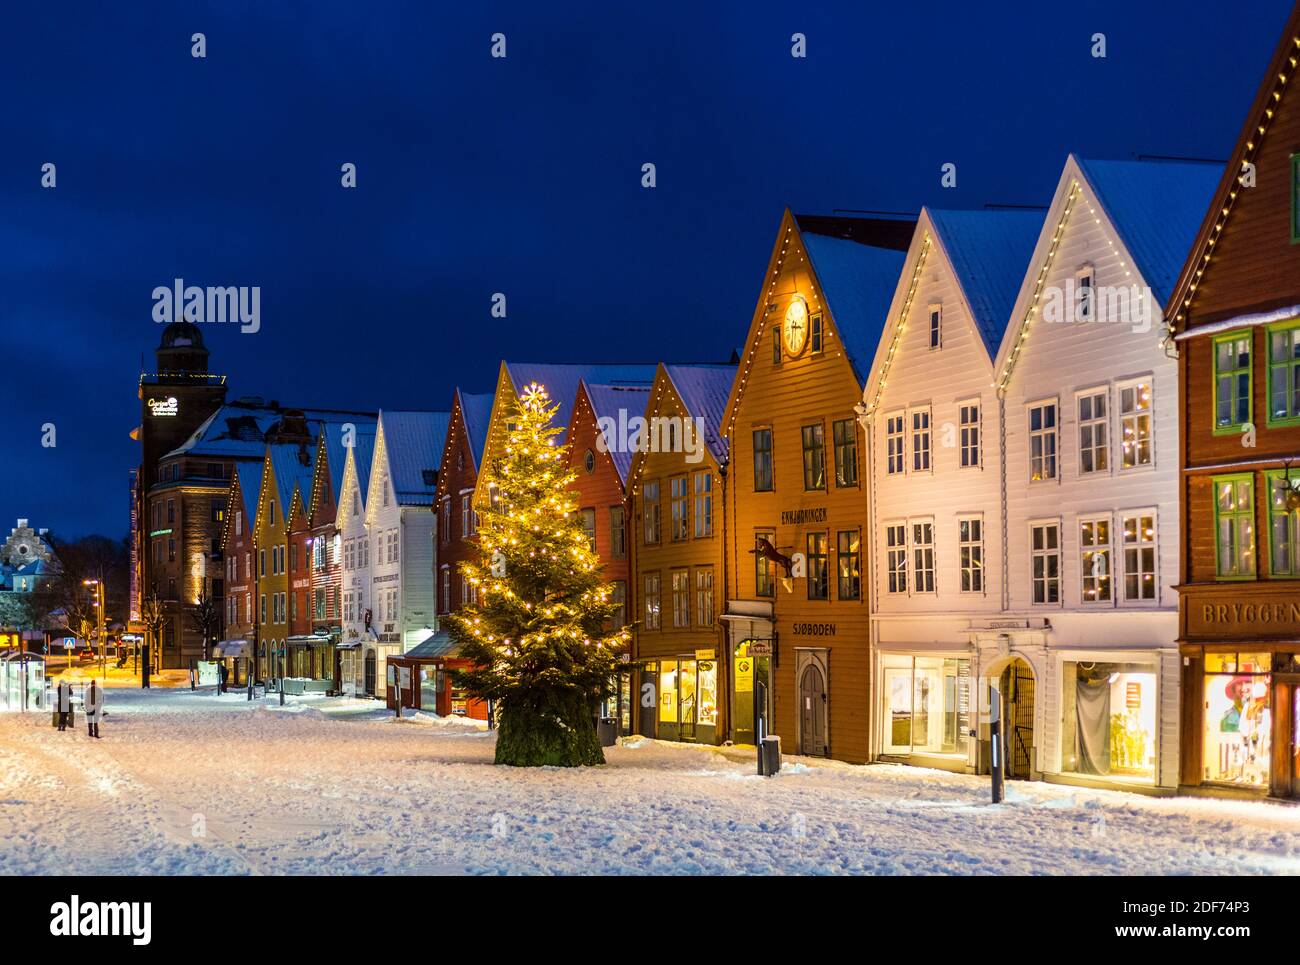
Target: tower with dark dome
{"points": [[181, 350]]}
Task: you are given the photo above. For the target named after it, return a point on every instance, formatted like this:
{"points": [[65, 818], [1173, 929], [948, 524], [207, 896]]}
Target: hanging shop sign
{"points": [[760, 648]]}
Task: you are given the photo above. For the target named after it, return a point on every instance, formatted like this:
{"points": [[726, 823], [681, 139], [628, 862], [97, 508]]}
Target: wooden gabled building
{"points": [[677, 512], [1235, 314], [797, 601]]}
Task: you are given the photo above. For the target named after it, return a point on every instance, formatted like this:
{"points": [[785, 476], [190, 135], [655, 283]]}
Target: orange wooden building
{"points": [[1235, 314], [797, 604]]}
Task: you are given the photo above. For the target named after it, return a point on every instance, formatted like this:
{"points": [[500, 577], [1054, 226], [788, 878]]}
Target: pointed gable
{"points": [[476, 413], [606, 402], [704, 390], [561, 381], [989, 252], [413, 443]]}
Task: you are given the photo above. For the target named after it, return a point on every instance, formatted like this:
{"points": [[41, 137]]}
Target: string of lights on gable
{"points": [[1039, 284], [769, 305], [903, 316], [1204, 247]]}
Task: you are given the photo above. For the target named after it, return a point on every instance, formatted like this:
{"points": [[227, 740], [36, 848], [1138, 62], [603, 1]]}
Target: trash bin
{"points": [[607, 731], [769, 756]]}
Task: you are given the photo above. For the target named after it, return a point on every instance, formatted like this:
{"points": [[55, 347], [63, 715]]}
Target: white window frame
{"points": [[927, 432], [1054, 433], [1122, 546], [977, 427], [934, 327], [896, 553], [977, 546], [1107, 549], [901, 437], [916, 548], [1084, 310], [1034, 554], [1121, 418], [1104, 423]]}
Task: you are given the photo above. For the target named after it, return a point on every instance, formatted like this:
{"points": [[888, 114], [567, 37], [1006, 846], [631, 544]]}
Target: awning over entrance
{"points": [[433, 647], [307, 641], [232, 648]]}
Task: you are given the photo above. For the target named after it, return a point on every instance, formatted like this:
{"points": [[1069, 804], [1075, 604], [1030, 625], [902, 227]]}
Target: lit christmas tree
{"points": [[540, 634]]}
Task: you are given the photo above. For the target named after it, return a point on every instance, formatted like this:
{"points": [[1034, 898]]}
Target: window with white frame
{"points": [[1094, 439], [970, 547], [896, 556], [894, 444], [1045, 562], [1135, 411], [968, 417], [466, 517], [1095, 560], [446, 590], [936, 326], [1139, 557], [921, 440], [1042, 441], [923, 556], [1084, 295]]}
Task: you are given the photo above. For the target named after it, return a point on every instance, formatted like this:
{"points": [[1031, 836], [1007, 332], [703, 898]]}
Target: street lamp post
{"points": [[99, 624]]}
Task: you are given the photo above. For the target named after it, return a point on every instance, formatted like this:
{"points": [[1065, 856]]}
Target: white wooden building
{"points": [[1086, 649], [930, 411], [355, 577]]}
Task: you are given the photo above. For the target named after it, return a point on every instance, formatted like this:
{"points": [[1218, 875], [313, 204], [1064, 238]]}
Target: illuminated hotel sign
{"points": [[163, 407]]}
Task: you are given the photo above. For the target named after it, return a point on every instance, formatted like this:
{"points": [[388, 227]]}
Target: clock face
{"points": [[796, 325]]}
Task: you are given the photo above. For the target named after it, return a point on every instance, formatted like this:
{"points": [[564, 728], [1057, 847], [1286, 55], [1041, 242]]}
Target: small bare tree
{"points": [[206, 619], [153, 618]]}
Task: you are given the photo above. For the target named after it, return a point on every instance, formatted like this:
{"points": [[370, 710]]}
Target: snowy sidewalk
{"points": [[195, 783]]}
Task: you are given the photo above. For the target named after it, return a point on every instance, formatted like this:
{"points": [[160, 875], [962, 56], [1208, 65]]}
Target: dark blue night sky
{"points": [[520, 175]]}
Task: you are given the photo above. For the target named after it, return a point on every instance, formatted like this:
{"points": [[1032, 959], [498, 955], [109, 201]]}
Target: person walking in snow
{"points": [[93, 698], [63, 703]]}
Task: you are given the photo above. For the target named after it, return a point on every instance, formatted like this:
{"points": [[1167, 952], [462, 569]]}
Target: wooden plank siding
{"points": [[784, 397]]}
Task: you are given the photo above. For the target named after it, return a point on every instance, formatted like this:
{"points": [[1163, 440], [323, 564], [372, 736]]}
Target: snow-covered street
{"points": [[185, 783]]}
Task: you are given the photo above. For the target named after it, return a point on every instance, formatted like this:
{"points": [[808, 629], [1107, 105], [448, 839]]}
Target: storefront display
{"points": [[687, 698], [927, 704], [750, 683], [1108, 719], [1238, 718]]}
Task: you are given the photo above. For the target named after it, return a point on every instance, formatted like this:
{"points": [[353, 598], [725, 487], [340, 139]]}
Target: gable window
{"points": [[814, 457], [681, 580], [815, 332], [1042, 441], [1284, 373], [652, 601], [894, 444], [845, 436], [921, 440], [356, 503], [617, 534], [923, 557], [270, 511], [896, 556], [679, 506], [764, 577], [1283, 529], [588, 519], [970, 547], [763, 460], [848, 559], [1045, 562], [650, 509], [968, 415], [818, 577], [936, 327], [1140, 557], [704, 596], [466, 516], [1135, 403], [776, 345], [1234, 525], [1095, 560], [1084, 295], [1094, 440], [446, 590], [1232, 381], [703, 504]]}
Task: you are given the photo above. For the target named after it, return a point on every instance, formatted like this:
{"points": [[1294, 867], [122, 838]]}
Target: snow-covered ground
{"points": [[185, 783]]}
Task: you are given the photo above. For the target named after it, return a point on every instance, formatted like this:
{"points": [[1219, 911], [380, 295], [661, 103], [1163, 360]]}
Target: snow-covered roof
{"points": [[476, 410], [293, 464], [438, 644], [336, 453], [250, 484], [414, 442], [989, 252], [1156, 207], [858, 281], [606, 401], [704, 390], [561, 381]]}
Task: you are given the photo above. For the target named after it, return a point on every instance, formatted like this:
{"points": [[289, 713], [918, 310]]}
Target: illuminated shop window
{"points": [[1108, 719], [1238, 718], [926, 705]]}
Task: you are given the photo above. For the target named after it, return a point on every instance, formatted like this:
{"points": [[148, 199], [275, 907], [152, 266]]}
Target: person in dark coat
{"points": [[224, 672], [63, 703], [93, 699]]}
